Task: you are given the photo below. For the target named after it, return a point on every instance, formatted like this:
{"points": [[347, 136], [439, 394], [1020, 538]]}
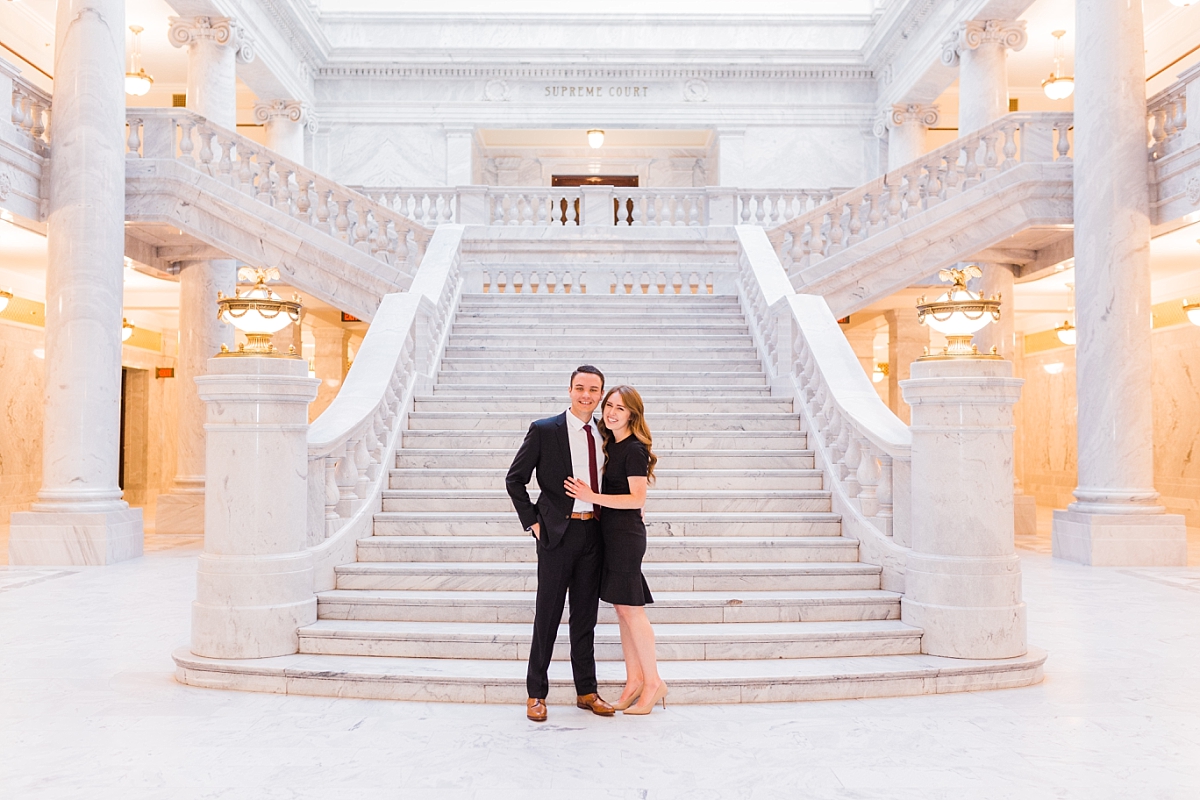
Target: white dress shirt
{"points": [[579, 456]]}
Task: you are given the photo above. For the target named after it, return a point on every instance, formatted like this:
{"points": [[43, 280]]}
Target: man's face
{"points": [[586, 391]]}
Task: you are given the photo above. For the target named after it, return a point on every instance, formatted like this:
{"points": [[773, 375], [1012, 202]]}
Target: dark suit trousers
{"points": [[571, 568]]}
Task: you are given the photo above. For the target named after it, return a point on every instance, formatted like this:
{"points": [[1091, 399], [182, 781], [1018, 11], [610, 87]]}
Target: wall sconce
{"points": [[126, 329], [959, 314], [1053, 368], [259, 313], [1191, 309], [137, 82], [1058, 86], [4, 298], [595, 138], [1066, 333], [881, 372]]}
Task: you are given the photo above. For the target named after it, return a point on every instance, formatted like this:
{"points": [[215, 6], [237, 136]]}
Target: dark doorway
{"points": [[626, 181], [121, 450]]}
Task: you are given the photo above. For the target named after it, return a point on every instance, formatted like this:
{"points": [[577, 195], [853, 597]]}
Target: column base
{"points": [[74, 538], [1120, 540], [967, 607], [179, 513], [1025, 515]]}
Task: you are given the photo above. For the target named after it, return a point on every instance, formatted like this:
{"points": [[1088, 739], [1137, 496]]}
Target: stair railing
{"points": [[890, 200], [863, 449], [277, 182], [30, 110], [352, 445]]}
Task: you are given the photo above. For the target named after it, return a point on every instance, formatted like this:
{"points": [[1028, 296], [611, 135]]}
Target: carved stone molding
{"points": [[974, 33], [497, 91], [187, 31], [290, 110], [904, 113], [695, 90]]}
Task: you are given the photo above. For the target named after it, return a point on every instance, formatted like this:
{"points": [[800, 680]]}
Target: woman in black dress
{"points": [[628, 471]]}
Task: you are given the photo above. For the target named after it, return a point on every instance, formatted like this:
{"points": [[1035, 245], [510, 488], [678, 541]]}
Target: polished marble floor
{"points": [[89, 709]]}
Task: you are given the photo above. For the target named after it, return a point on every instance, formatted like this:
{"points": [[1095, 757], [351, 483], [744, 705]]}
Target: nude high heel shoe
{"points": [[633, 698], [643, 707]]}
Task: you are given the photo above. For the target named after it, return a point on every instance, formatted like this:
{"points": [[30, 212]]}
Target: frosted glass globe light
{"points": [[126, 329], [259, 313], [958, 313], [595, 138], [4, 298], [1053, 368], [1058, 88], [1066, 333], [1191, 309], [137, 82]]}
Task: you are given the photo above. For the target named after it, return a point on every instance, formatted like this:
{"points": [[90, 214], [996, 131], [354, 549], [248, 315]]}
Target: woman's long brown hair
{"points": [[637, 424]]}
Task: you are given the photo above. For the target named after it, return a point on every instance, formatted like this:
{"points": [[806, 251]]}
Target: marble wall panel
{"points": [[804, 157], [381, 155], [1046, 422]]}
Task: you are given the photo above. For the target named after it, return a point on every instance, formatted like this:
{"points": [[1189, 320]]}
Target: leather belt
{"points": [[584, 515]]}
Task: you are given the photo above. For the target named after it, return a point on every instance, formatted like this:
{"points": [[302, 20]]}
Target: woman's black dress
{"points": [[623, 530]]}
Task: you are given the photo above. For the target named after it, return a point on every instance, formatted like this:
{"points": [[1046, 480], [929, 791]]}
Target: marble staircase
{"points": [[759, 596]]}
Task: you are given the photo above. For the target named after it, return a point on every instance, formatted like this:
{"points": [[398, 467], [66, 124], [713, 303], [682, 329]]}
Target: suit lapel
{"points": [[564, 442]]}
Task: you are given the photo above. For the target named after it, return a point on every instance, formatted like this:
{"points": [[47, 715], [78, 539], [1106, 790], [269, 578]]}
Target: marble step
{"points": [[659, 549], [600, 342], [437, 458], [551, 405], [667, 440], [651, 329], [691, 479], [672, 607], [665, 577], [661, 523], [699, 641], [769, 680], [624, 365], [592, 315], [484, 389], [604, 347], [504, 419], [637, 379], [657, 500], [596, 297]]}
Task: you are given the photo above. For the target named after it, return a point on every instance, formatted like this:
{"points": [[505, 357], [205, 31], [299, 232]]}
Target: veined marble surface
{"points": [[92, 710]]}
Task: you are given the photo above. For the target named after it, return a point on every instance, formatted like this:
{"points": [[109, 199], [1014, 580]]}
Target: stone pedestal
{"points": [[254, 588], [963, 582], [1116, 518], [980, 48], [79, 517], [596, 206]]}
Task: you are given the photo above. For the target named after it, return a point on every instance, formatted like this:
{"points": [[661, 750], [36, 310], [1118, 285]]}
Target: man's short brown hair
{"points": [[590, 370]]}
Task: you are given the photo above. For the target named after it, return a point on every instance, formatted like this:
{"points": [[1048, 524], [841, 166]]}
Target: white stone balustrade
{"points": [[891, 199], [597, 280], [277, 182], [1166, 115], [351, 444], [862, 447], [30, 110]]}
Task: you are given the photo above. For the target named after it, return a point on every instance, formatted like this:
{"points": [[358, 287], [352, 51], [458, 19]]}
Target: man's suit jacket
{"points": [[547, 450]]}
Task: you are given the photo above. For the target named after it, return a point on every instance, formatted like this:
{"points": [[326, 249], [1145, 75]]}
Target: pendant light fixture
{"points": [[1058, 86], [137, 82], [1066, 332], [595, 138]]}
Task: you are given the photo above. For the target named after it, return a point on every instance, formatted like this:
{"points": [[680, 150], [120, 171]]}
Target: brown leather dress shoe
{"points": [[535, 709], [595, 704]]}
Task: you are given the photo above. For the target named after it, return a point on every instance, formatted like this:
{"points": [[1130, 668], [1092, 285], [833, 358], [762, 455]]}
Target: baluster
{"points": [[852, 460], [37, 123], [652, 211], [744, 200], [694, 211], [346, 476], [1009, 129], [323, 196], [362, 228], [874, 214], [894, 206], [551, 282], [662, 282], [343, 220], [645, 283], [912, 197], [678, 211], [265, 187], [542, 202], [835, 229], [855, 222], [362, 460], [628, 283], [1064, 143], [797, 252], [932, 180], [283, 193], [677, 282], [566, 283], [970, 168], [1158, 130], [990, 157], [708, 282], [694, 283], [533, 282], [225, 165], [526, 202], [583, 282], [1181, 112], [760, 212], [185, 141], [332, 495], [245, 172], [448, 201], [868, 479], [382, 239], [501, 280], [775, 201], [134, 142], [304, 202], [816, 244], [206, 152], [950, 176], [487, 281], [518, 281], [638, 216], [884, 494]]}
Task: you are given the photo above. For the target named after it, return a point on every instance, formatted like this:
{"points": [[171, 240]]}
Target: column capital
{"points": [[223, 31], [289, 110], [904, 113], [972, 34]]}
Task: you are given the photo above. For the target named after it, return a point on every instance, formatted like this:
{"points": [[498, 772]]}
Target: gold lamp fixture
{"points": [[1058, 86], [1066, 333], [126, 329], [137, 82], [881, 372], [959, 314], [4, 298], [1191, 309], [259, 313]]}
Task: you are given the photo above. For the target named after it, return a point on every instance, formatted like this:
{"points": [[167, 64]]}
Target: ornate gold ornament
{"points": [[959, 314], [259, 313]]}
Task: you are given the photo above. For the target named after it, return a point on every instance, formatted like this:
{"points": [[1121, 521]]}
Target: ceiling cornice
{"points": [[646, 72]]}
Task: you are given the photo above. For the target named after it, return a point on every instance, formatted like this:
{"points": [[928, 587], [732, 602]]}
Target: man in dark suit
{"points": [[569, 548]]}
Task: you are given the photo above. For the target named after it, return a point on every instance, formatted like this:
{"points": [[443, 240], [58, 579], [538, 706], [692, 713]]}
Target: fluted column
{"points": [[79, 517], [285, 122], [980, 48], [904, 126], [215, 45], [1116, 518]]}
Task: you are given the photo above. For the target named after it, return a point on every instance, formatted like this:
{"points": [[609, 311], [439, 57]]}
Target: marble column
{"points": [[963, 577], [329, 362], [980, 49], [215, 45], [907, 341], [731, 157], [459, 151], [904, 126], [201, 334], [1116, 518], [79, 516], [862, 342], [285, 122], [254, 585]]}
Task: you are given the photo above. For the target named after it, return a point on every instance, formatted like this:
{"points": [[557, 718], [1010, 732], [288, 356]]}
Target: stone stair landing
{"points": [[759, 596]]}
